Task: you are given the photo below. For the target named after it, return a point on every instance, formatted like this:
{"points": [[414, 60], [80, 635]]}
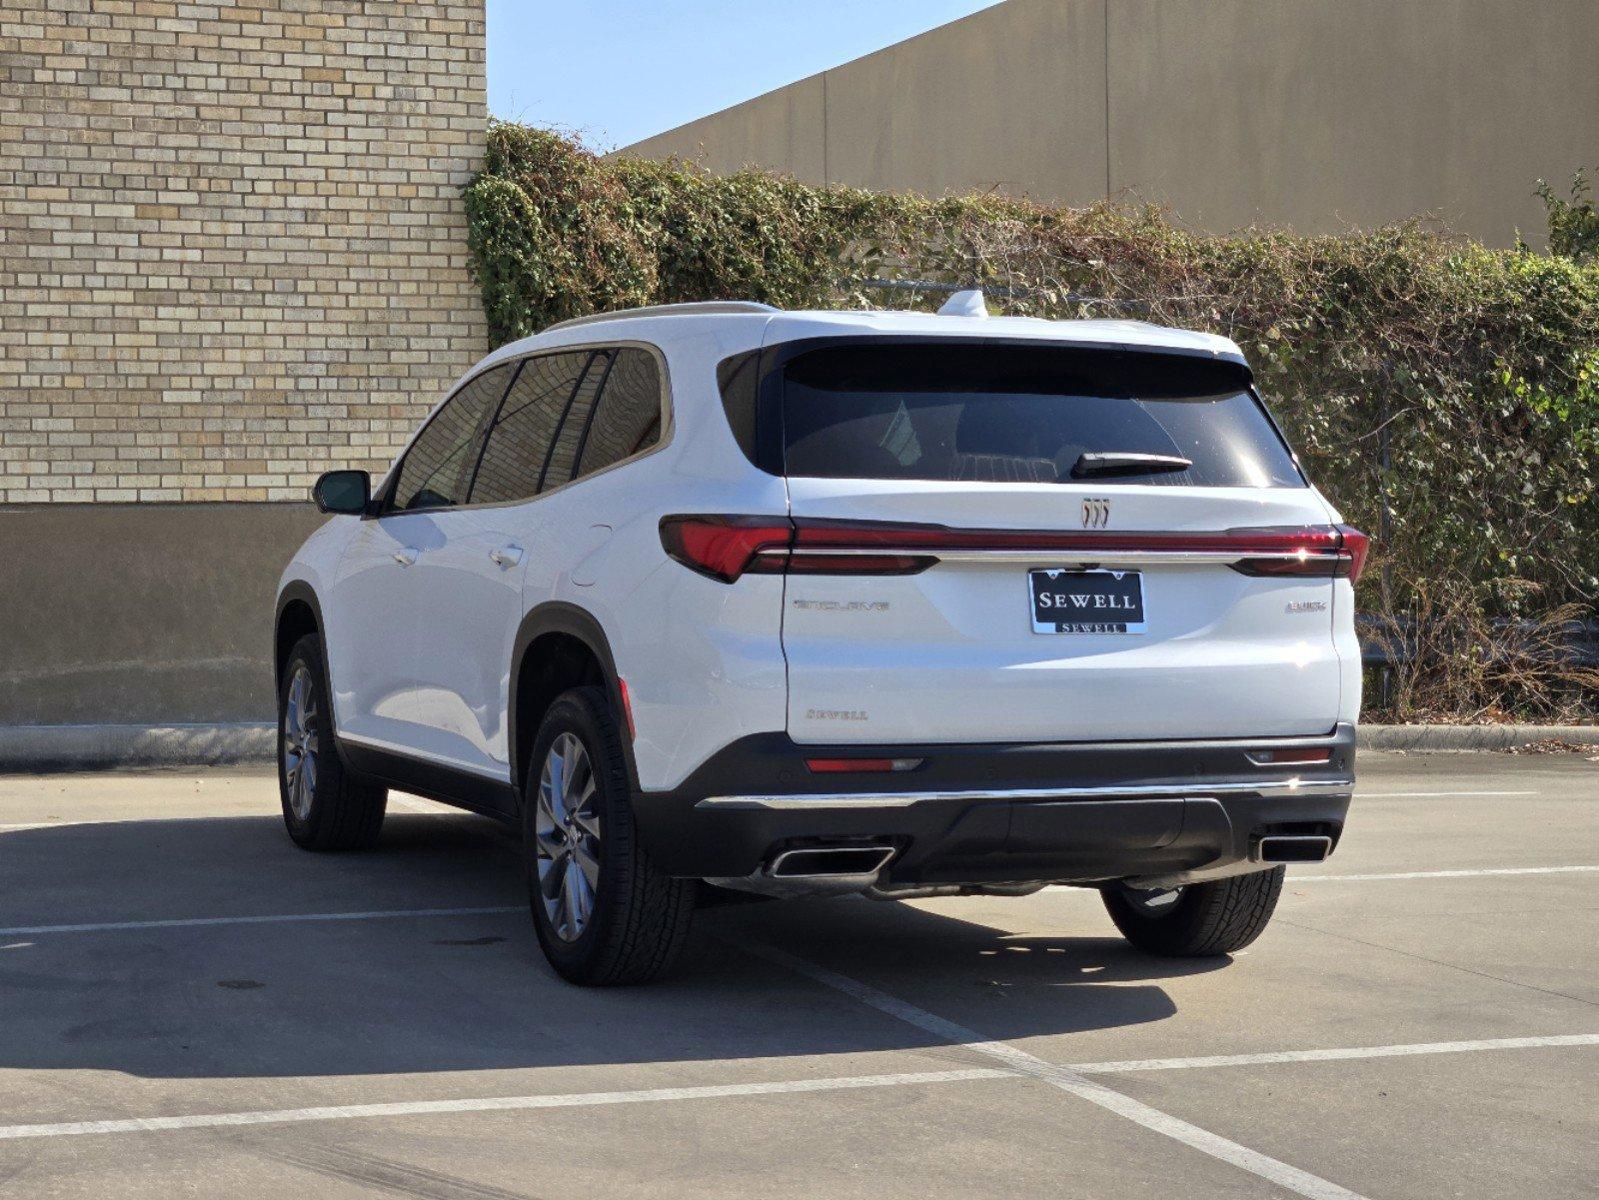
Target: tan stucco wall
{"points": [[141, 614], [1316, 114]]}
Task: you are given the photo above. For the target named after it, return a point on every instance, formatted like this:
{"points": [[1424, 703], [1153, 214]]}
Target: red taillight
{"points": [[1319, 551], [1357, 545], [726, 547], [800, 563]]}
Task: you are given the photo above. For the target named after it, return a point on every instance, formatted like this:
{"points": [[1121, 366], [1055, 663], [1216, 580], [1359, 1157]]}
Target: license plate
{"points": [[1087, 601]]}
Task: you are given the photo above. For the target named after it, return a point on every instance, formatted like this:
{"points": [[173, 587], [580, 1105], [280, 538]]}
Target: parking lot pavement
{"points": [[190, 1005]]}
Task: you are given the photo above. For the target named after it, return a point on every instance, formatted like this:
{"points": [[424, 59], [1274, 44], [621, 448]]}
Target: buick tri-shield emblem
{"points": [[1096, 514]]}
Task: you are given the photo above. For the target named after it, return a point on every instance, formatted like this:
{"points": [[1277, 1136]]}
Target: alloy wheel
{"points": [[567, 837], [300, 724]]}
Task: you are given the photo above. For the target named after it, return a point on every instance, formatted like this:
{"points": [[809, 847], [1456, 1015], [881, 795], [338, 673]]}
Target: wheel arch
{"points": [[558, 646], [299, 612]]}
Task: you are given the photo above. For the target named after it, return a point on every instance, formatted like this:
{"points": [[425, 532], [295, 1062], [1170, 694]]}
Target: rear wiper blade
{"points": [[1113, 463]]}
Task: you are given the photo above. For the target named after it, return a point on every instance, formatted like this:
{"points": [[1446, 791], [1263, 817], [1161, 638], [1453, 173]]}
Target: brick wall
{"points": [[232, 245]]}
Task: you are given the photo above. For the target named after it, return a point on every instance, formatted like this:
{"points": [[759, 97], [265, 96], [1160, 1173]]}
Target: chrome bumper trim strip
{"points": [[1277, 789]]}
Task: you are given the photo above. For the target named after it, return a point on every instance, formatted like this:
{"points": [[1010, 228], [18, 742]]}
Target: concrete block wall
{"points": [[232, 245], [1320, 115]]}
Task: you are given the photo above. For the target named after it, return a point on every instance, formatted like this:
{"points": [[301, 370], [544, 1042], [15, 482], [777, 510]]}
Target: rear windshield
{"points": [[1027, 415]]}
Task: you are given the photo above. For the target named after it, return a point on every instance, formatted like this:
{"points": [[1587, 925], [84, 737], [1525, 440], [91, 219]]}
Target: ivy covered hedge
{"points": [[1444, 395]]}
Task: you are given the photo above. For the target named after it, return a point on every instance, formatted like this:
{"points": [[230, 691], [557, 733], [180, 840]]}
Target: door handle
{"points": [[406, 556], [505, 556]]}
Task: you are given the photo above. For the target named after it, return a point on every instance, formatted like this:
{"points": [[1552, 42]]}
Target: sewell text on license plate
{"points": [[1068, 601]]}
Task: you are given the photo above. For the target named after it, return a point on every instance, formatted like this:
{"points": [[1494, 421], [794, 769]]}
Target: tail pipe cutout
{"points": [[831, 862], [1292, 848]]}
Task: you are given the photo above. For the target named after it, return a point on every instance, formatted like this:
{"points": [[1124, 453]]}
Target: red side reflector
{"points": [[627, 709]]}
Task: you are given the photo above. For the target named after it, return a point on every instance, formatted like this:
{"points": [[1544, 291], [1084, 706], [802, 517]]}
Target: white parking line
{"points": [[347, 1112], [1360, 795], [1067, 1080], [1339, 1055], [403, 803], [200, 922], [1461, 874], [17, 828], [411, 1108]]}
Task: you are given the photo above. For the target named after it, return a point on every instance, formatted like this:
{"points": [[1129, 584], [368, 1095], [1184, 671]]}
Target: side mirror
{"points": [[343, 492]]}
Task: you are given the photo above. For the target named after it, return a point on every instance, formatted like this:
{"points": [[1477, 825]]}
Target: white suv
{"points": [[895, 603]]}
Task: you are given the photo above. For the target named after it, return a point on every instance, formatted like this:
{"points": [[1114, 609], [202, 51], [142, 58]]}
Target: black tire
{"points": [[1203, 920], [638, 920], [340, 812]]}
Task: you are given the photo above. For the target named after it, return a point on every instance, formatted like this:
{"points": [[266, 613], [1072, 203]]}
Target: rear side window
{"points": [[627, 419], [439, 463], [1008, 414], [570, 440], [522, 441]]}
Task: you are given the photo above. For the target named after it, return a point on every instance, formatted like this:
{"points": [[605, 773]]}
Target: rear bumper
{"points": [[1004, 814]]}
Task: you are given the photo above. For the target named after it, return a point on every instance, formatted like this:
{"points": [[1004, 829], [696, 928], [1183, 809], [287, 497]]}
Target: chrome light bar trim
{"points": [[1107, 554], [1276, 789]]}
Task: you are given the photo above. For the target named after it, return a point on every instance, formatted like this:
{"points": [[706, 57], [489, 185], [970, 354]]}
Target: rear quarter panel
{"points": [[702, 660]]}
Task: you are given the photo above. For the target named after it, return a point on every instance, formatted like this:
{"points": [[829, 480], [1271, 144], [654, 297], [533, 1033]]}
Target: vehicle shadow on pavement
{"points": [[406, 995]]}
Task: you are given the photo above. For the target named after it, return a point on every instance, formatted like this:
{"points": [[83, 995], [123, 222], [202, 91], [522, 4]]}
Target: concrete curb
{"points": [[29, 748], [1469, 737]]}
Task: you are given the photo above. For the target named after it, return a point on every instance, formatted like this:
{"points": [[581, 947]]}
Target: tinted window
{"points": [[628, 417], [439, 464], [1019, 414], [570, 440], [738, 378], [524, 431]]}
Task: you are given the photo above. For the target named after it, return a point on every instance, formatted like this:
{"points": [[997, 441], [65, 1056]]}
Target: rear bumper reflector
{"points": [[827, 766], [1273, 758]]}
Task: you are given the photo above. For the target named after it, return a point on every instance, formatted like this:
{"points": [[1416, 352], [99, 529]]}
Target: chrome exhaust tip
{"points": [[831, 862], [1292, 848]]}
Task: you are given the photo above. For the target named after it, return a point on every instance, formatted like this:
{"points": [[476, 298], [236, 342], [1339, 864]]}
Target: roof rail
{"points": [[698, 307], [934, 285]]}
